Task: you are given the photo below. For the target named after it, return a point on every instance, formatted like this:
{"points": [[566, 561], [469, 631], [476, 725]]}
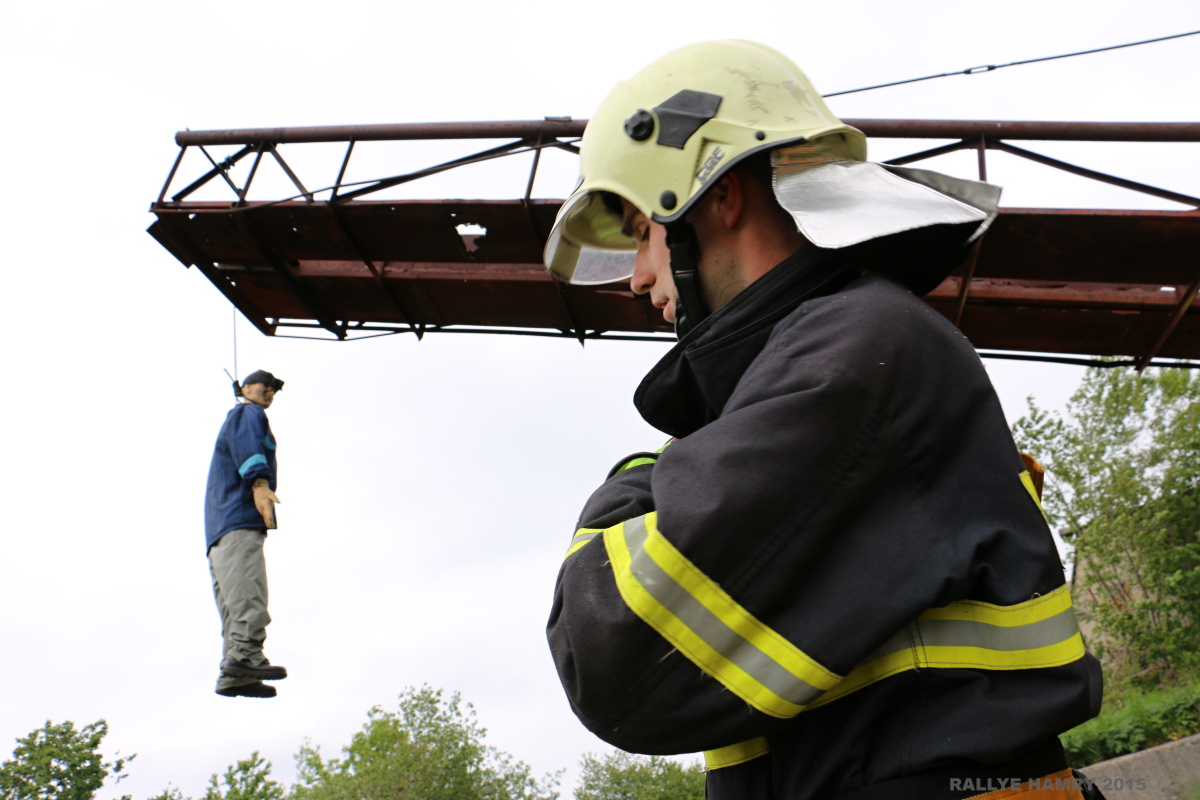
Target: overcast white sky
{"points": [[429, 488]]}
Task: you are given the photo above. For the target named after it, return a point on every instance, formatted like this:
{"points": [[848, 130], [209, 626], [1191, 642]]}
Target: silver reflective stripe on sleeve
{"points": [[581, 537], [708, 626], [704, 623], [773, 675]]}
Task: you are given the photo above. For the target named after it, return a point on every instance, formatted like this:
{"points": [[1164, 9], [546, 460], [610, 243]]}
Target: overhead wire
{"points": [[521, 149], [992, 67]]}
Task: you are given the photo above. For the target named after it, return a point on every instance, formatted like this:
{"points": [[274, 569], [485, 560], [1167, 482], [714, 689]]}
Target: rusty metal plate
{"points": [[1046, 280]]}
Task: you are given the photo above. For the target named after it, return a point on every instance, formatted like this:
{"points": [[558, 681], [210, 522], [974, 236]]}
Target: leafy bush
{"points": [[1123, 485], [59, 762], [625, 776], [1142, 721], [431, 748]]}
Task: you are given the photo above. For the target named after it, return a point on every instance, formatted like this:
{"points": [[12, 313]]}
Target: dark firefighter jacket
{"points": [[838, 574], [244, 452]]}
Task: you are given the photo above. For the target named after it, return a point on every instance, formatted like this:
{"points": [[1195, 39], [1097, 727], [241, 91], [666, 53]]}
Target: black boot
{"points": [[258, 689], [244, 669]]}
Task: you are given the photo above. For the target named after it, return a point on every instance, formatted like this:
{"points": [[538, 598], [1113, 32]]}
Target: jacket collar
{"points": [[690, 385]]}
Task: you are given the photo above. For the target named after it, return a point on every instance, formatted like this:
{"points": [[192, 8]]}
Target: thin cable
{"points": [[990, 67], [235, 369]]}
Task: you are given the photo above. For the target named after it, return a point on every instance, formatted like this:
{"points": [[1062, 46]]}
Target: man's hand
{"points": [[264, 501]]}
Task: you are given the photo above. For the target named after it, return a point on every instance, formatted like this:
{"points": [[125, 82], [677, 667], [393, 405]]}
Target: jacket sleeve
{"points": [[788, 539], [624, 494], [248, 441]]}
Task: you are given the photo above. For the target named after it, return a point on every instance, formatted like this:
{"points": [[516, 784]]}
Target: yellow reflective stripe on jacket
{"points": [[1027, 482], [694, 614], [582, 537], [969, 634], [1044, 607], [736, 754], [639, 461], [634, 462]]}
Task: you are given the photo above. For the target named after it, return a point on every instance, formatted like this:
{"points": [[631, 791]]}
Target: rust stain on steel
{"points": [[1186, 301], [1077, 294]]}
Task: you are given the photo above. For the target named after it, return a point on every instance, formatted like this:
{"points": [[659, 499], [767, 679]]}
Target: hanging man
{"points": [[836, 579], [239, 509]]}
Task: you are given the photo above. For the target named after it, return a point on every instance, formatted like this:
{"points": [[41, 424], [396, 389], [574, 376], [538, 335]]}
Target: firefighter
{"points": [[835, 579]]}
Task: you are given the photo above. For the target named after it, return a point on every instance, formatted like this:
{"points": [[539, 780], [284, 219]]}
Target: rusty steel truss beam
{"points": [[1042, 281], [565, 127]]}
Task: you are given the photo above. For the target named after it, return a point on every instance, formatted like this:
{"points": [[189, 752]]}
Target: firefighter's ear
{"points": [[724, 204]]}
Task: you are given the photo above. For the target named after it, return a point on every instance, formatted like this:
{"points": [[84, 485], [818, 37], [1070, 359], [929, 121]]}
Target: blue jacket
{"points": [[245, 451]]}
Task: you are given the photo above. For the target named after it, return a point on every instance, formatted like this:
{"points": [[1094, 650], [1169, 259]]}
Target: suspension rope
{"points": [[237, 387], [235, 369], [991, 67]]}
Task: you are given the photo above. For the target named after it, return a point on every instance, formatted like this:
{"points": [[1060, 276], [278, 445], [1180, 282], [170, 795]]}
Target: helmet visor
{"points": [[586, 245]]}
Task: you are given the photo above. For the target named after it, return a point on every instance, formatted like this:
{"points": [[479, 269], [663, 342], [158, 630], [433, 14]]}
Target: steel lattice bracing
{"points": [[1093, 282]]}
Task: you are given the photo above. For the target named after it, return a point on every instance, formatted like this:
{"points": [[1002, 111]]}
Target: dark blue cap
{"points": [[263, 377]]}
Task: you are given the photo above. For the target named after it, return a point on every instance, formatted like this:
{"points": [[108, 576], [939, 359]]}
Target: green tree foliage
{"points": [[170, 793], [58, 762], [248, 779], [1144, 719], [431, 748], [624, 776], [1123, 479]]}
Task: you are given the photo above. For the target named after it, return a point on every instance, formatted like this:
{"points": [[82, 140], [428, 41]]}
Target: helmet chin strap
{"points": [[690, 309]]}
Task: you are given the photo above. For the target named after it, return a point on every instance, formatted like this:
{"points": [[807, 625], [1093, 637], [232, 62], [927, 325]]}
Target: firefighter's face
{"points": [[652, 273]]}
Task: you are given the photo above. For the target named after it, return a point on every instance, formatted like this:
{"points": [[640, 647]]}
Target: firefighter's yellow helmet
{"points": [[661, 137]]}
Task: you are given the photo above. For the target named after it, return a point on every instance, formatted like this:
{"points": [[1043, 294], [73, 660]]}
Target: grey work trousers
{"points": [[239, 576]]}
